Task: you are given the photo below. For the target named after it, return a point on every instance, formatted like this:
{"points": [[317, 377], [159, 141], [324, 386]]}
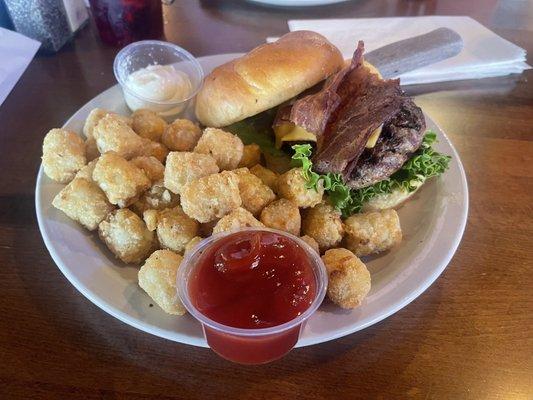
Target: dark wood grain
{"points": [[469, 336]]}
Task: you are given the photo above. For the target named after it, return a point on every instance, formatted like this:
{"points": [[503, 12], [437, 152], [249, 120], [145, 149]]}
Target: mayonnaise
{"points": [[160, 88]]}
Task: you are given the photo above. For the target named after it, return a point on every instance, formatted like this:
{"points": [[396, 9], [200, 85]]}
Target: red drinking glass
{"points": [[121, 22]]}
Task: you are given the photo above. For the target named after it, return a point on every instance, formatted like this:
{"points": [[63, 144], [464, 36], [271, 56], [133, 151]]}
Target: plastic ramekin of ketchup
{"points": [[252, 290]]}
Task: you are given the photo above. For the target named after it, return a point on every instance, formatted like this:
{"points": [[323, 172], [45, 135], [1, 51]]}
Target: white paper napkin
{"points": [[16, 52], [485, 54]]}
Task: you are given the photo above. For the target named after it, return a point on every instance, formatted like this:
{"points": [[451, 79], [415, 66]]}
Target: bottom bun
{"points": [[390, 200]]}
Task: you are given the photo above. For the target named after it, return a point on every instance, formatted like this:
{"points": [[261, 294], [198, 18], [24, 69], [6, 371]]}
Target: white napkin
{"points": [[485, 54], [16, 52]]}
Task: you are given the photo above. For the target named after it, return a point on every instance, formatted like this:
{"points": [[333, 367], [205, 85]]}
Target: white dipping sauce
{"points": [[157, 84]]}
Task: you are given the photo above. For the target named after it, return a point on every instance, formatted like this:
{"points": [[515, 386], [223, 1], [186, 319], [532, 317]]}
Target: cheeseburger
{"points": [[366, 139]]}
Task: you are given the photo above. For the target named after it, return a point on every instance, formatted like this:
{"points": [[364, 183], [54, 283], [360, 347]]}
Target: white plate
{"points": [[433, 222]]}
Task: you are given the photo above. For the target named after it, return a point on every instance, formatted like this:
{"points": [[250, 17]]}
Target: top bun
{"points": [[266, 77]]}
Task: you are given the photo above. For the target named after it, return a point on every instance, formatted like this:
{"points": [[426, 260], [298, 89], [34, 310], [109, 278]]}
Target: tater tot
{"points": [[87, 171], [255, 194], [175, 229], [147, 124], [349, 279], [323, 223], [191, 245], [372, 232], [121, 180], [181, 135], [157, 197], [95, 116], [251, 155], [185, 167], [91, 149], [150, 148], [269, 178], [150, 219], [292, 186], [282, 214], [157, 277], [311, 242], [211, 196], [63, 155], [92, 120], [115, 135], [83, 201], [126, 235], [238, 218], [151, 167], [223, 146]]}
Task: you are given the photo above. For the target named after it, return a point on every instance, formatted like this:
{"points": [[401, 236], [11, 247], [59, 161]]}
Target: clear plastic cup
{"points": [[250, 346], [142, 54]]}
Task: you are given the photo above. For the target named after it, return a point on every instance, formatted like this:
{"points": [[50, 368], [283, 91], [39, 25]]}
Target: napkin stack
{"points": [[485, 54], [16, 52]]}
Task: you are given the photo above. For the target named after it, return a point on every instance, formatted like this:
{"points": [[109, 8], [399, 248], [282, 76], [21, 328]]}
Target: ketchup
{"points": [[252, 280]]}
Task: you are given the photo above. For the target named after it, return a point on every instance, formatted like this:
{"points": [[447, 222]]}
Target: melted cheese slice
{"points": [[372, 140], [289, 132]]}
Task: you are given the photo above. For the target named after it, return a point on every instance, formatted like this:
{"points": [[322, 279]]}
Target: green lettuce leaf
{"points": [[257, 129], [424, 164]]}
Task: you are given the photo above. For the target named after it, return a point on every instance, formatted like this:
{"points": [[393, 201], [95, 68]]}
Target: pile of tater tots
{"points": [[154, 190]]}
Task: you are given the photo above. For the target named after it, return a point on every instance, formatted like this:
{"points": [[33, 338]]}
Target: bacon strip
{"points": [[312, 112], [351, 105]]}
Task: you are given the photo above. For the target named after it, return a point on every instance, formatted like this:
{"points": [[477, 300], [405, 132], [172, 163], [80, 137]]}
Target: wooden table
{"points": [[467, 337]]}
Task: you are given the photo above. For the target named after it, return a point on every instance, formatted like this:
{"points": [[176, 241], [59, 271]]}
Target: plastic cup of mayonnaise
{"points": [[159, 76]]}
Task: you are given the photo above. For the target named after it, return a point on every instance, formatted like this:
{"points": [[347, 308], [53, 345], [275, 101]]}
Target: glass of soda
{"points": [[121, 22]]}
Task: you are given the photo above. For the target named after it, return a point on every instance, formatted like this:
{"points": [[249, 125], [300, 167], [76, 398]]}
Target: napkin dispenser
{"points": [[51, 22]]}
